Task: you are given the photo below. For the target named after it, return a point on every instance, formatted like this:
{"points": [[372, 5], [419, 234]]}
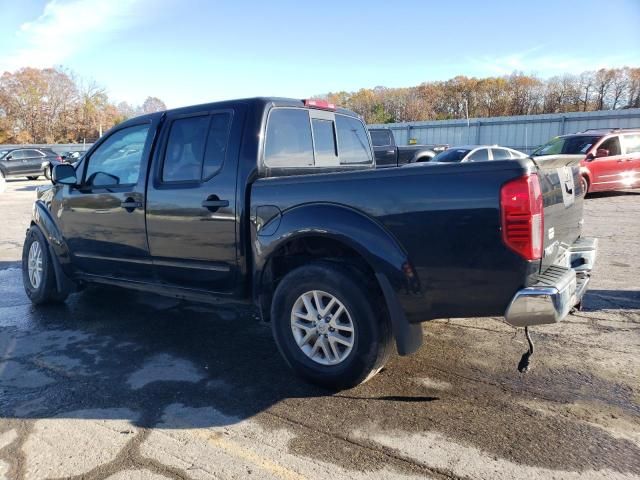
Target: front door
{"points": [[103, 218], [192, 217], [16, 163], [605, 171]]}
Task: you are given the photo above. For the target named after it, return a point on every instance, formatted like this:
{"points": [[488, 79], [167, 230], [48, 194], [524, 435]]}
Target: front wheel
{"points": [[47, 172], [38, 275], [327, 328], [585, 185]]}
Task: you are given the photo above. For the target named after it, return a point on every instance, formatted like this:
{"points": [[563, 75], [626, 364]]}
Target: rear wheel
{"points": [[327, 328], [47, 173], [38, 275]]}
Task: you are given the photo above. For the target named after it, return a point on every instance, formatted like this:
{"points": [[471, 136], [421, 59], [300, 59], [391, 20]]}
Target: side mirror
{"points": [[602, 152], [8, 157], [64, 174]]}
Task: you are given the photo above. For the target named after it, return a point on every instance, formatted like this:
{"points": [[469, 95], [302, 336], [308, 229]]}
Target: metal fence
{"points": [[56, 147], [523, 133]]}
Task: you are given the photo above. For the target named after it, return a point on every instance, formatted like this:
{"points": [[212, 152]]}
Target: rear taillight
{"points": [[523, 216]]}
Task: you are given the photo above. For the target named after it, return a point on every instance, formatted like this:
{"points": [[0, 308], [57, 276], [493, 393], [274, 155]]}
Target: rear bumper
{"points": [[558, 290]]}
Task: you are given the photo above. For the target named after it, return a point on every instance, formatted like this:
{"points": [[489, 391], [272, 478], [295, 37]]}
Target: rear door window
{"points": [[481, 155], [500, 154], [632, 143], [289, 143], [353, 141], [380, 138]]}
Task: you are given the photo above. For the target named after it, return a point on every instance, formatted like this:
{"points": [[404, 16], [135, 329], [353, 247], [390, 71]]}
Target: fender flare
{"points": [[379, 249], [58, 249]]}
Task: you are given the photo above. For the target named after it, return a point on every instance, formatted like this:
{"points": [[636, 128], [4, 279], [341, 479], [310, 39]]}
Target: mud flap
{"points": [[408, 335]]}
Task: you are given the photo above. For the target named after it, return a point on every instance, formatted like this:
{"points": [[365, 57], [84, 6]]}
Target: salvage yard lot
{"points": [[119, 384]]}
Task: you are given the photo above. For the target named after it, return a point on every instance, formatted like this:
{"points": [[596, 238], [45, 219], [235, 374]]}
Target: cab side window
{"points": [[117, 160], [500, 154], [613, 145]]}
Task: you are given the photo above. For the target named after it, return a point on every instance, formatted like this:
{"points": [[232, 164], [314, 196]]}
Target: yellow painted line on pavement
{"points": [[237, 451]]}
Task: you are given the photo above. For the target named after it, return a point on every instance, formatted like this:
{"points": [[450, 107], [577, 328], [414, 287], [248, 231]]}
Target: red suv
{"points": [[610, 158]]}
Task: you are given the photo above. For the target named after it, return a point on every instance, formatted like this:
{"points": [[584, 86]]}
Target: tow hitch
{"points": [[523, 365]]}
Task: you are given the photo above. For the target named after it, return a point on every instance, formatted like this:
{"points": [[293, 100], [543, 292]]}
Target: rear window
{"points": [[353, 141], [288, 142], [380, 138], [451, 155], [324, 139]]}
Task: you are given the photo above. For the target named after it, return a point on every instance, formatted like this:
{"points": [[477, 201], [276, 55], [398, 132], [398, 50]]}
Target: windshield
{"points": [[574, 145], [3, 153], [451, 155]]}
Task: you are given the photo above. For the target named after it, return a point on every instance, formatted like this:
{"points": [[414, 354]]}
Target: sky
{"points": [[195, 51]]}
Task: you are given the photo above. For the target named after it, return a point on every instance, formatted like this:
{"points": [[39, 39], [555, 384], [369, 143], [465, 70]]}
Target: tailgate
{"points": [[563, 201]]}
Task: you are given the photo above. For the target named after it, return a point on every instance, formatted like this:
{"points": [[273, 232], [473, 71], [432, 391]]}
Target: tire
{"points": [[33, 177], [371, 338], [45, 289], [47, 173], [585, 185]]}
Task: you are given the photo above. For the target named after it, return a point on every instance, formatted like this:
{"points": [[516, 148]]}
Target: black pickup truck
{"points": [[278, 202], [388, 154]]}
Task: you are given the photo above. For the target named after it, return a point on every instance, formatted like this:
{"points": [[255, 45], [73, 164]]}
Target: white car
{"points": [[477, 153]]}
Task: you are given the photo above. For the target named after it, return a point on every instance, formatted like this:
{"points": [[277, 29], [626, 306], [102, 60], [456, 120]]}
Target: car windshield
{"points": [[451, 155], [574, 145], [3, 153]]}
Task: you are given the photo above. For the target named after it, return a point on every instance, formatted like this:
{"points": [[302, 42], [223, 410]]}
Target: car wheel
{"points": [[38, 275], [585, 185], [33, 177], [327, 328], [47, 173]]}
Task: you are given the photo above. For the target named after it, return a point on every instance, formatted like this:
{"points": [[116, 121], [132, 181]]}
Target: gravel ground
{"points": [[123, 385]]}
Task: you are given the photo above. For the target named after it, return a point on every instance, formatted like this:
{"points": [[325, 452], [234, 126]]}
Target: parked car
{"points": [[278, 202], [609, 159], [388, 154], [28, 162], [72, 157], [477, 153]]}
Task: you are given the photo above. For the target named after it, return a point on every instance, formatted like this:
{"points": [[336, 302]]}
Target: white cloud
{"points": [[532, 62], [65, 28]]}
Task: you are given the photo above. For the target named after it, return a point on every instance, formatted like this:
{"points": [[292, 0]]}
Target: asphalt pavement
{"points": [[126, 385]]}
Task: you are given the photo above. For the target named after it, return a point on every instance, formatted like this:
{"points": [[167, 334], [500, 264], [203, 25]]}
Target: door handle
{"points": [[391, 151], [130, 204], [213, 203]]}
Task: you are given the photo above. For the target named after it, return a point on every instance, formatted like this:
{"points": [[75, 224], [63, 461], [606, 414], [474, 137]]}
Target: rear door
{"points": [[606, 172], [631, 149], [192, 213], [384, 148]]}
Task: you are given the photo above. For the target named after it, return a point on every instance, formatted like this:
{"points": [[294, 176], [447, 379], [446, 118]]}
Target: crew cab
{"points": [[278, 202], [609, 158], [388, 154]]}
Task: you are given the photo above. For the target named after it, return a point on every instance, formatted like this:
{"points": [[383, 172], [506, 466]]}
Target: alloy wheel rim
{"points": [[322, 327], [34, 264]]}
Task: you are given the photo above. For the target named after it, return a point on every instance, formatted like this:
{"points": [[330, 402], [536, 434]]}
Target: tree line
{"points": [[515, 94], [53, 105]]}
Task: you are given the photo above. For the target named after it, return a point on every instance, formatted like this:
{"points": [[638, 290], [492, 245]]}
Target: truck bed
{"points": [[446, 217]]}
